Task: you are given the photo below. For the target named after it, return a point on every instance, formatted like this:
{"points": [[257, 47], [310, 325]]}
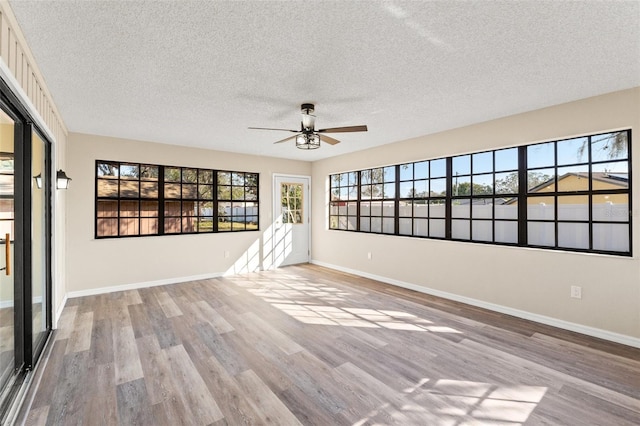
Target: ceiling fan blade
{"points": [[344, 129], [327, 139], [269, 128], [286, 139]]}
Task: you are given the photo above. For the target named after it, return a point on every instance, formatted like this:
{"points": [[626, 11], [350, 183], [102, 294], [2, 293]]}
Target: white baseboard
{"points": [[554, 322], [135, 286], [9, 303]]}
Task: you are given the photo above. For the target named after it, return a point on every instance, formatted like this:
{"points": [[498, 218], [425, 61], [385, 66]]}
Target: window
{"points": [[134, 199], [569, 194]]}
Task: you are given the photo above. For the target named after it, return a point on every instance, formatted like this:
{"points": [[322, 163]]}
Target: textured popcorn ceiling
{"points": [[198, 73]]}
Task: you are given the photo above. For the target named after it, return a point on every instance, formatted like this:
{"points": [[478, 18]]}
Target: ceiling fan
{"points": [[308, 137]]}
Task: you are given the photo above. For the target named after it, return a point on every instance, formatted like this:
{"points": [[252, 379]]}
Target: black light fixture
{"points": [[308, 140], [38, 180], [62, 180]]}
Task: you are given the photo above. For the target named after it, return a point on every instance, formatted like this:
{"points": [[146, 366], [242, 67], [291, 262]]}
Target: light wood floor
{"points": [[307, 345]]}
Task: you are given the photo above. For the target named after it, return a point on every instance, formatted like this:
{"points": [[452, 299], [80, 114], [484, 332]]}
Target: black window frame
{"points": [[500, 185], [194, 189]]}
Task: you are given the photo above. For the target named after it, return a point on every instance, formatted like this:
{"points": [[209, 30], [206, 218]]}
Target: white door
{"points": [[292, 214]]}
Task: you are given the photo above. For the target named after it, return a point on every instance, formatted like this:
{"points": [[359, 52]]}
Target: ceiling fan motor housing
{"points": [[308, 119]]}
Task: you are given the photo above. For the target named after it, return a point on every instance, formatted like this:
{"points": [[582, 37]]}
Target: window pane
{"points": [[129, 209], [388, 225], [540, 208], [506, 159], [406, 189], [376, 208], [610, 146], [506, 232], [189, 175], [460, 229], [611, 208], [107, 227], [406, 171], [388, 208], [575, 207], [461, 208], [352, 208], [540, 155], [365, 224], [462, 165], [389, 190], [573, 235], [252, 222], [129, 189], [405, 209], [148, 226], [482, 230], [107, 188], [574, 178], [205, 176], [573, 151], [421, 188], [438, 187], [171, 190], [436, 208], [189, 224], [421, 209], [421, 170], [149, 189], [107, 170], [365, 209], [189, 191], [506, 183], [461, 185], [405, 227], [420, 227], [172, 208], [237, 179], [437, 228], [129, 226], [438, 168], [541, 180], [205, 224], [189, 208], [129, 171], [611, 237], [224, 178], [107, 209], [482, 184], [224, 192], [205, 192], [390, 174], [482, 162], [541, 234], [149, 209], [376, 224], [149, 172], [172, 174], [251, 193]]}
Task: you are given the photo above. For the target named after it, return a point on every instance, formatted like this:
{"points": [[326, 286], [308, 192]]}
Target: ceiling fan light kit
{"points": [[308, 137], [308, 141]]}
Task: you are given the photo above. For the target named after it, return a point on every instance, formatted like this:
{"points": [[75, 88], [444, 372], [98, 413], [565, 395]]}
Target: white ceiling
{"points": [[198, 73]]}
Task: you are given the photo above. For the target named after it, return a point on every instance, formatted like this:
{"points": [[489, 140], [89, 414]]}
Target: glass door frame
{"points": [[26, 351]]}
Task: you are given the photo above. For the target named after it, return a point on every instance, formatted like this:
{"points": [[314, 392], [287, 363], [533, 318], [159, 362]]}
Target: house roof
{"points": [[616, 179], [198, 73]]}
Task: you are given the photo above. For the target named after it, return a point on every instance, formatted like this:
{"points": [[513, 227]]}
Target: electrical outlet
{"points": [[226, 254], [369, 255], [576, 292]]}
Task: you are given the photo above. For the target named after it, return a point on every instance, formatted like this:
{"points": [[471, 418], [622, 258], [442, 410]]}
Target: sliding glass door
{"points": [[25, 247]]}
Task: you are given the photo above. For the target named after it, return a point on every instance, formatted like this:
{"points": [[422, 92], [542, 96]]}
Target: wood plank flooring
{"points": [[308, 345]]}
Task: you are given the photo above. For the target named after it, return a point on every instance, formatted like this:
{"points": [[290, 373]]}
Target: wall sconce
{"points": [[62, 180], [38, 180]]}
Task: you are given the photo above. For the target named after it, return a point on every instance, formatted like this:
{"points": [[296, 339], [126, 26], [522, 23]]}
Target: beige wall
{"points": [[532, 282], [97, 264]]}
